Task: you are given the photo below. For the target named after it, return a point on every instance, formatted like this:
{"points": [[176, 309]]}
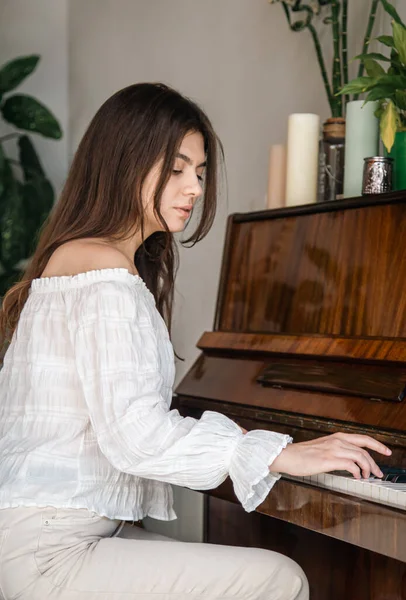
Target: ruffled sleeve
{"points": [[118, 355]]}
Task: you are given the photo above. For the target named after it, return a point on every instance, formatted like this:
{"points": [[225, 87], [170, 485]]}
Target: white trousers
{"points": [[68, 554]]}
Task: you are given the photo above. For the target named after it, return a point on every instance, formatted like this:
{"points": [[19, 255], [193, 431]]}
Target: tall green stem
{"points": [[337, 79], [344, 50], [319, 53], [367, 38], [322, 65]]}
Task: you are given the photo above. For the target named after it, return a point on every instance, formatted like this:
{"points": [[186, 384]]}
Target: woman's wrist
{"points": [[278, 464]]}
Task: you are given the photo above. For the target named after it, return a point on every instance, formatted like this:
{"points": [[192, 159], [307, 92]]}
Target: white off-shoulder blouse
{"points": [[85, 419]]}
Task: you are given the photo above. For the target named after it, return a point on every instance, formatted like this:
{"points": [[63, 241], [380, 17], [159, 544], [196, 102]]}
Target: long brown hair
{"points": [[102, 196]]}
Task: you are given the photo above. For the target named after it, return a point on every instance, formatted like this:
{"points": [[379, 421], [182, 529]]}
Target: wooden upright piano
{"points": [[310, 339]]}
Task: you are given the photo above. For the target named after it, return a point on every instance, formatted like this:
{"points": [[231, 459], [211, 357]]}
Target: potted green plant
{"points": [[26, 194], [301, 16], [387, 87], [312, 16]]}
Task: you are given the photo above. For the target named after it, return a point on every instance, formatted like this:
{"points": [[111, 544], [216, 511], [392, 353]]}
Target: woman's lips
{"points": [[184, 212]]}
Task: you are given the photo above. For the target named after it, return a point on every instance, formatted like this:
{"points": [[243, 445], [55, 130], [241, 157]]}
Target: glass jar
{"points": [[331, 176]]}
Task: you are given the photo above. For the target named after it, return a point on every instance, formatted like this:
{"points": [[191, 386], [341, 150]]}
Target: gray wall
{"points": [[41, 27]]}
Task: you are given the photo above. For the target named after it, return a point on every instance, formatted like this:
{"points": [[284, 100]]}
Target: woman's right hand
{"points": [[337, 452]]}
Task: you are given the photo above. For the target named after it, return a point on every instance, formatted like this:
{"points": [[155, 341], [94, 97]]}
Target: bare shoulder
{"points": [[80, 256]]}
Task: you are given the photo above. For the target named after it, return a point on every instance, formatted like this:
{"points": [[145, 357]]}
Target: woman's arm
{"points": [[119, 361]]}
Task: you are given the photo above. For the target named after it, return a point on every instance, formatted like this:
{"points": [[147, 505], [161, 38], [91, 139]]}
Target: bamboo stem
{"points": [[344, 49], [322, 65], [337, 78], [367, 38]]}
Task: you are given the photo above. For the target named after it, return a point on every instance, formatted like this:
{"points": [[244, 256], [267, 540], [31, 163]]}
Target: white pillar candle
{"points": [[302, 159], [277, 176]]}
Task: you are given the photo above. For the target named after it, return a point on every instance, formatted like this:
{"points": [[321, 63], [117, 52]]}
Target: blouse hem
{"points": [[160, 516]]}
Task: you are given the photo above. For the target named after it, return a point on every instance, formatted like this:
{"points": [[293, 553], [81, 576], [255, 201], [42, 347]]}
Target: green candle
{"points": [[361, 141]]}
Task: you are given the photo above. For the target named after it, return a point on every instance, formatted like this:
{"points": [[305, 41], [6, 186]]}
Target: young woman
{"points": [[87, 437]]}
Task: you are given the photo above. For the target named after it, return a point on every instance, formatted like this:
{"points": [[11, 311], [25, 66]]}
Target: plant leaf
{"points": [[373, 68], [15, 71], [7, 178], [399, 36], [29, 159], [38, 195], [387, 40], [32, 210], [379, 93], [396, 82], [380, 110], [374, 55], [391, 10], [2, 170], [27, 113], [12, 227], [388, 125], [400, 99], [7, 280], [358, 85]]}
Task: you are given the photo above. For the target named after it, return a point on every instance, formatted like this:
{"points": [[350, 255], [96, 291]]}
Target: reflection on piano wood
{"points": [[310, 339]]}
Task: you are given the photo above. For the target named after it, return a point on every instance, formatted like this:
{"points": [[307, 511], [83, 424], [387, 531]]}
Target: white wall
{"points": [[41, 27], [238, 59]]}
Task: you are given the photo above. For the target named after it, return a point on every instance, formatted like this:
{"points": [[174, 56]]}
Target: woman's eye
{"points": [[178, 172]]}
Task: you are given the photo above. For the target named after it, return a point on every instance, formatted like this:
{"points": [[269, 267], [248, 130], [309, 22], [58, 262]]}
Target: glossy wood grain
{"points": [[234, 381], [340, 273], [335, 569], [334, 515], [346, 348]]}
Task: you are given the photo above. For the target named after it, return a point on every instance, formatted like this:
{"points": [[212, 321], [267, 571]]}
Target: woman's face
{"points": [[183, 188]]}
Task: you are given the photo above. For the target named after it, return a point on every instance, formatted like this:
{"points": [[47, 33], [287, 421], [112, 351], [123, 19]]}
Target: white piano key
{"points": [[352, 487], [383, 494], [374, 492], [372, 489], [342, 484], [328, 480]]}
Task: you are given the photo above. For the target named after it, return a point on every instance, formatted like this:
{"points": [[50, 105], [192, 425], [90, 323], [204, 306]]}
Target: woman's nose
{"points": [[194, 187]]}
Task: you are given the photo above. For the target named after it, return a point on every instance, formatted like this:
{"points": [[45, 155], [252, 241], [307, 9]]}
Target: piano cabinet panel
{"points": [[336, 570], [326, 270]]}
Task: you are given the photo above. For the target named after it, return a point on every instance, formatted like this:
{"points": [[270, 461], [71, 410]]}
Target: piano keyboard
{"points": [[373, 489]]}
